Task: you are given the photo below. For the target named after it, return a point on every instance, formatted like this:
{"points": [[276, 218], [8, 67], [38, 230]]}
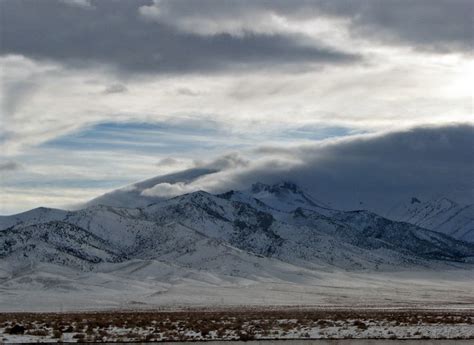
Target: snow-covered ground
{"points": [[150, 284]]}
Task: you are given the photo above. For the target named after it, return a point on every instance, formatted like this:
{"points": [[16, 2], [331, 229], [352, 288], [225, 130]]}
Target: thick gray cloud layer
{"points": [[377, 169], [114, 33], [368, 171], [437, 25], [163, 36], [424, 161]]}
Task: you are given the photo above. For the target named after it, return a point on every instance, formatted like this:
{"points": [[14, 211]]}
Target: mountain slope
{"points": [[57, 242], [288, 236], [440, 214]]}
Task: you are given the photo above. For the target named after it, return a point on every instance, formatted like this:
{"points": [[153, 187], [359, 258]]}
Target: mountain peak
{"points": [[285, 196], [196, 195], [276, 188], [289, 186]]}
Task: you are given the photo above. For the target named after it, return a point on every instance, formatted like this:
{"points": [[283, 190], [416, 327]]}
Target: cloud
{"points": [[115, 88], [9, 166], [250, 108], [166, 190], [168, 161], [225, 162], [232, 75], [186, 92], [84, 4], [236, 18], [376, 169], [113, 34], [214, 36], [438, 25]]}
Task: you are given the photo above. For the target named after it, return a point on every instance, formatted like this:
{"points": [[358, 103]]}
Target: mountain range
{"points": [[266, 232]]}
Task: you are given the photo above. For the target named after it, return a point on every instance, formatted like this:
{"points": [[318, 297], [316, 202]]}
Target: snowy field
{"points": [[132, 303], [150, 301], [153, 284]]}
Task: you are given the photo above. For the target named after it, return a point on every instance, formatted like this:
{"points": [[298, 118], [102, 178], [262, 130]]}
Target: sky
{"points": [[359, 99]]}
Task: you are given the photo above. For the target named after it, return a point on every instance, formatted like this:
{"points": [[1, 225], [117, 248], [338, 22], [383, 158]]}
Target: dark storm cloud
{"points": [[421, 161], [114, 33], [377, 170], [436, 25]]}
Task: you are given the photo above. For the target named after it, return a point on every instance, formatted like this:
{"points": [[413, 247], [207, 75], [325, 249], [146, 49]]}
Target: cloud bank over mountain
{"points": [[365, 171]]}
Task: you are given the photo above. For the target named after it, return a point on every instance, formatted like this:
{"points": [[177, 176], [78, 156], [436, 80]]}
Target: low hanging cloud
{"points": [[228, 161], [377, 170], [166, 189]]}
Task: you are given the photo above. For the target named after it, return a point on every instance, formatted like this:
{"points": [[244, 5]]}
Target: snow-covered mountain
{"points": [[278, 221], [264, 235], [438, 214]]}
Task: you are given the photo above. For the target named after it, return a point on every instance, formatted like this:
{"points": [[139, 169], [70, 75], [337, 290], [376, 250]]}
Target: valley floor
{"points": [[238, 323], [152, 301], [150, 285]]}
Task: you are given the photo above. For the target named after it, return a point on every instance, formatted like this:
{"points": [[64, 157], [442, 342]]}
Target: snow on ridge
{"points": [[440, 214]]}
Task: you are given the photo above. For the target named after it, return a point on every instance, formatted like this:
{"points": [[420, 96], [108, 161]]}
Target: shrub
{"points": [[57, 334], [16, 329]]}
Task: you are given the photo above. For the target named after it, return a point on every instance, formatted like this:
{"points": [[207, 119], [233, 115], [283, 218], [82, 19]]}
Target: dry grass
{"points": [[243, 324]]}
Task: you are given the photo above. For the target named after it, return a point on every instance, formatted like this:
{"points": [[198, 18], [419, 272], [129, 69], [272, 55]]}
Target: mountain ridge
{"points": [[272, 221]]}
